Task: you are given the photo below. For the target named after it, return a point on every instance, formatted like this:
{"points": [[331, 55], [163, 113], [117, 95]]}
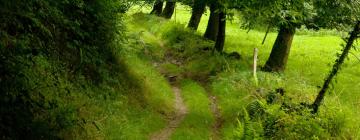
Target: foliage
{"points": [[339, 14], [55, 56], [288, 121], [314, 14], [277, 13]]}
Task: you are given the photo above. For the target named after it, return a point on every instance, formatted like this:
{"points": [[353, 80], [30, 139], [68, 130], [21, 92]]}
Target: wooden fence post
{"points": [[255, 65]]}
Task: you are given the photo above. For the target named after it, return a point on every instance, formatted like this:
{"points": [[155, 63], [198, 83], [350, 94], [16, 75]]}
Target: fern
{"points": [[248, 132], [246, 129], [256, 109]]}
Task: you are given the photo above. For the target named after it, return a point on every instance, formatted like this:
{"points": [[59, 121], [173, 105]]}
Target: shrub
{"points": [[50, 52]]}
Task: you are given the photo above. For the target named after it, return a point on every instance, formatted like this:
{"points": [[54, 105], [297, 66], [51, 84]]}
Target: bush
{"points": [[51, 52]]}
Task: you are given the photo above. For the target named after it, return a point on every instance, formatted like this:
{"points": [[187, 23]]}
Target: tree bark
{"points": [[213, 24], [197, 11], [169, 10], [280, 51], [353, 36], [220, 40], [157, 9]]}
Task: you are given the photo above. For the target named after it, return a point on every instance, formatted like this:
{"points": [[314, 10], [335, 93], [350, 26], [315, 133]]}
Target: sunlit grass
{"points": [[311, 58], [142, 109], [153, 101]]}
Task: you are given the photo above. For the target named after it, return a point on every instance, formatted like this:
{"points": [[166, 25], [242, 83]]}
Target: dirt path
{"points": [[214, 107], [215, 135], [181, 110], [174, 122]]}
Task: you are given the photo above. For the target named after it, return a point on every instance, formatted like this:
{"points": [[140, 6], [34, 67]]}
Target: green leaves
{"points": [[339, 14], [312, 13], [277, 12]]}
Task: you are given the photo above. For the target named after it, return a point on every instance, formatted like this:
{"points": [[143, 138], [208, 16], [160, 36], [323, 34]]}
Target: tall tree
{"points": [[213, 23], [281, 49], [157, 8], [287, 26], [198, 9], [286, 15], [337, 14], [349, 44], [169, 9], [220, 40]]}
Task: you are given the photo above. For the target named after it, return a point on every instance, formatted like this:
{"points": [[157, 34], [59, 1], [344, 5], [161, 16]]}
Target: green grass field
{"points": [[310, 60]]}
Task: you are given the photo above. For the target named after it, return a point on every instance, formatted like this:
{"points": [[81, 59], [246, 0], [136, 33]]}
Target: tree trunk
{"points": [[220, 41], [280, 51], [266, 34], [213, 24], [157, 9], [353, 36], [169, 10], [197, 11]]}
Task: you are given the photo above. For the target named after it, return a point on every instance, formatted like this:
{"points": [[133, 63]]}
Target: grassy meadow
{"points": [[311, 58]]}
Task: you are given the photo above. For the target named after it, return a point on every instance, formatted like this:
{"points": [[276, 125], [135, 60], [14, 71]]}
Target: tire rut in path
{"points": [[215, 135], [174, 122], [219, 121]]}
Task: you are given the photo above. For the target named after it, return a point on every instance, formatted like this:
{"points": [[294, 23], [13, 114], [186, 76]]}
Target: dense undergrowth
{"points": [[51, 52], [276, 107], [65, 75]]}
